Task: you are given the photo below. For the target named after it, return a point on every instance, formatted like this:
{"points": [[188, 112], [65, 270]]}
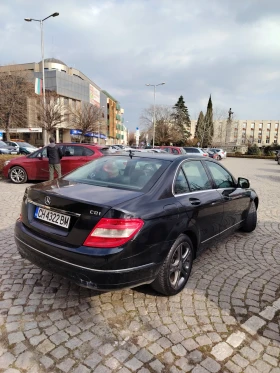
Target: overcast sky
{"points": [[229, 48]]}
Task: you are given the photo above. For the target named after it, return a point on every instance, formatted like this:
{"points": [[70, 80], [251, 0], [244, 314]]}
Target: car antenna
{"points": [[131, 154]]}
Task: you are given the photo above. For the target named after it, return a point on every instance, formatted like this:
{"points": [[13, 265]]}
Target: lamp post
{"points": [[154, 116], [43, 62]]}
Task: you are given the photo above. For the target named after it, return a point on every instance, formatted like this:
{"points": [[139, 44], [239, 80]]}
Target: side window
{"points": [[189, 150], [166, 150], [196, 175], [88, 152], [175, 151], [195, 151], [221, 177], [181, 184]]}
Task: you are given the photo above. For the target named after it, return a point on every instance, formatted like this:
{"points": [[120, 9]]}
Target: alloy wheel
{"points": [[180, 265], [18, 175]]}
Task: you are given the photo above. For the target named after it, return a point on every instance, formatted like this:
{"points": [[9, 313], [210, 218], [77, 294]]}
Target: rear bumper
{"points": [[41, 254]]}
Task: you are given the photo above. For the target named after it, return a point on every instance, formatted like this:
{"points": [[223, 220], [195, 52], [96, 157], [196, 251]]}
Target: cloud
{"points": [[230, 50]]}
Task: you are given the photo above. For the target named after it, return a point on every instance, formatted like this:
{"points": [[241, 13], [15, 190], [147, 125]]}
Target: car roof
{"points": [[83, 144], [163, 156]]}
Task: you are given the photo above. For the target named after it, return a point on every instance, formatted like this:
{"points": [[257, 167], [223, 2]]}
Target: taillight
{"points": [[113, 232], [222, 152], [205, 155]]}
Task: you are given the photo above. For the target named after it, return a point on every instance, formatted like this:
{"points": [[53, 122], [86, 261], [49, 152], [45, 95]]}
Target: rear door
{"points": [[74, 156], [194, 190], [236, 200]]}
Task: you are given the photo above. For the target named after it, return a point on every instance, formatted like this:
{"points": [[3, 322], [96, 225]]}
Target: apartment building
{"points": [[74, 87]]}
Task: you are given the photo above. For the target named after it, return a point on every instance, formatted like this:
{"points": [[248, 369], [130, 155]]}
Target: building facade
{"points": [[244, 132], [74, 88]]}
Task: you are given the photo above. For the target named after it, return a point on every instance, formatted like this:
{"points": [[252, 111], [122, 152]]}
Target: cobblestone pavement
{"points": [[225, 320]]}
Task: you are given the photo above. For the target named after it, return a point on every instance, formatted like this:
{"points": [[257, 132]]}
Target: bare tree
{"points": [[87, 118], [131, 139], [15, 89], [50, 113], [166, 131]]}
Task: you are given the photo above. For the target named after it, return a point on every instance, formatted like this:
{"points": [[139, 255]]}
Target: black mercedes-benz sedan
{"points": [[130, 219]]}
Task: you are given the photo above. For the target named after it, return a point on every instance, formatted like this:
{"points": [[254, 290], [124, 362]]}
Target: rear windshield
{"points": [[120, 172]]}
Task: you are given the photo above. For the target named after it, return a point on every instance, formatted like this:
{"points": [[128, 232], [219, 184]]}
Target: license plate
{"points": [[52, 217], [13, 152]]}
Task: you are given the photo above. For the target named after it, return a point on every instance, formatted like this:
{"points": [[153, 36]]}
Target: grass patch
{"points": [[4, 158]]}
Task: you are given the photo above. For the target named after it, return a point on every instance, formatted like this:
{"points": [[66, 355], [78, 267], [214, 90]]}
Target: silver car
{"points": [[195, 151], [222, 154]]}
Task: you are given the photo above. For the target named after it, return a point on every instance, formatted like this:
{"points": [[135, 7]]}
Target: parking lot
{"points": [[227, 319]]}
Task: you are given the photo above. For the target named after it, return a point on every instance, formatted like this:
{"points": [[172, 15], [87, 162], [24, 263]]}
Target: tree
{"points": [[87, 117], [15, 89], [131, 139], [165, 131], [182, 120], [200, 129], [50, 113], [209, 124]]}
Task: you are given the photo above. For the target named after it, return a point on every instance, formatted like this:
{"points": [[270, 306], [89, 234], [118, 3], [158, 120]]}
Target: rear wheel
{"points": [[219, 157], [18, 175], [250, 222], [175, 271]]}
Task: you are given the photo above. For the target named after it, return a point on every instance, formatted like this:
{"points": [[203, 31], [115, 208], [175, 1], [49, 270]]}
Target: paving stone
{"points": [[203, 340], [133, 364], [112, 363], [66, 365], [157, 366], [221, 351], [239, 360], [268, 313], [59, 337], [211, 365], [253, 324], [236, 339], [249, 353], [16, 337], [81, 369], [194, 357], [190, 344], [45, 347], [47, 362], [199, 369], [262, 366], [144, 355], [59, 352], [233, 367], [26, 360], [93, 360], [6, 359]]}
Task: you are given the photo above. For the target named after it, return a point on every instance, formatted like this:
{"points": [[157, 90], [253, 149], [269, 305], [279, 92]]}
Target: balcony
{"points": [[118, 117], [118, 107]]}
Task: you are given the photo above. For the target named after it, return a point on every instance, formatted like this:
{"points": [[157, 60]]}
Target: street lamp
{"points": [[154, 116], [43, 62]]}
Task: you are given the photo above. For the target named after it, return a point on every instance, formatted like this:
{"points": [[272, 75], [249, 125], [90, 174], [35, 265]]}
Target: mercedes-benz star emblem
{"points": [[47, 200]]}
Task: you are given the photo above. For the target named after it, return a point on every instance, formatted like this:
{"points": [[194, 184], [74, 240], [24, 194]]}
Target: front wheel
{"points": [[175, 271], [250, 222], [18, 175]]}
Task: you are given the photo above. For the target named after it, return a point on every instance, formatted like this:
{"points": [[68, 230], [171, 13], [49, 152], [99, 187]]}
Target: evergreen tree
{"points": [[199, 129], [182, 120], [209, 124]]}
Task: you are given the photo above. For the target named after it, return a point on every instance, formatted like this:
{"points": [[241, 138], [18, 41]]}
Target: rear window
{"points": [[120, 172]]}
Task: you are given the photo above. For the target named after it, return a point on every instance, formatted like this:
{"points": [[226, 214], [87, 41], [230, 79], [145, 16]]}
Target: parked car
{"points": [[22, 147], [213, 154], [222, 154], [6, 149], [278, 157], [173, 149], [35, 166], [195, 151], [122, 221]]}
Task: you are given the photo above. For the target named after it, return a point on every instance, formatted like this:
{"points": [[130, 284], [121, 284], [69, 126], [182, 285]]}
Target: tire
{"points": [[250, 222], [278, 160], [175, 270], [219, 157], [18, 175]]}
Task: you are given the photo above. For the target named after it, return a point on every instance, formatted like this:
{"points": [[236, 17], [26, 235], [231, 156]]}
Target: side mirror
{"points": [[243, 183]]}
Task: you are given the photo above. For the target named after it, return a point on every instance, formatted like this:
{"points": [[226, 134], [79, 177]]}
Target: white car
{"points": [[222, 154], [195, 151]]}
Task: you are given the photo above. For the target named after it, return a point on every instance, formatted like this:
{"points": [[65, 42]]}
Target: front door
{"points": [[203, 204], [236, 200]]}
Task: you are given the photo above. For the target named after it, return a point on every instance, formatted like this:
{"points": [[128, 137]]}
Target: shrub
{"points": [[4, 158], [254, 150]]}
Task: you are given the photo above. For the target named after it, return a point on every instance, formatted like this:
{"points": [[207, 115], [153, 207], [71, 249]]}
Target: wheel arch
{"points": [[194, 239]]}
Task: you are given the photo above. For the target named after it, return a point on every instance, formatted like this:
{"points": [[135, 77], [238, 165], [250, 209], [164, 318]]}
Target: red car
{"points": [[173, 149], [35, 166]]}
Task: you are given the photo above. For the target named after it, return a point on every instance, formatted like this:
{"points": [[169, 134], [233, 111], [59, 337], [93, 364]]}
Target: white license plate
{"points": [[13, 152], [52, 217]]}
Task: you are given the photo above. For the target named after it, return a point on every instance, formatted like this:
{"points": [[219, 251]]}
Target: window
{"points": [[260, 126], [252, 125], [275, 141], [196, 176], [221, 177], [244, 125], [276, 125], [268, 126], [181, 184], [175, 151], [259, 141], [70, 151], [267, 141]]}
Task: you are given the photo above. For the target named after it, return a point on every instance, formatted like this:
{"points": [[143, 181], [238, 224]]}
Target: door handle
{"points": [[195, 201]]}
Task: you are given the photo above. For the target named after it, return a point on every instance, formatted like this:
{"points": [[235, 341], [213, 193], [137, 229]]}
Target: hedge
{"points": [[236, 155], [4, 158]]}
